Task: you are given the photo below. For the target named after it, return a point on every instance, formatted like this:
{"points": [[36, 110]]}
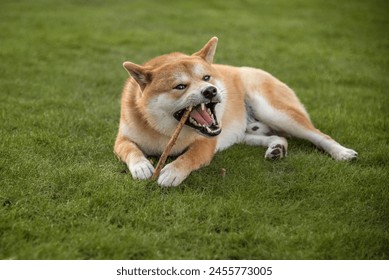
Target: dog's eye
{"points": [[206, 78], [180, 87]]}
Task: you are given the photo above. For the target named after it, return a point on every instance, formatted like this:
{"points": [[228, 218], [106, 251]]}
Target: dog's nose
{"points": [[209, 92]]}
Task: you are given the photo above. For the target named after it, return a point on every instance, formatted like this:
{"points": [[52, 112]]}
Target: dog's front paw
{"points": [[141, 170], [345, 154], [171, 176]]}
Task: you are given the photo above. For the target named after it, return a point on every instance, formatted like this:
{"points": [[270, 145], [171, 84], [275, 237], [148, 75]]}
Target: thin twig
{"points": [[171, 143]]}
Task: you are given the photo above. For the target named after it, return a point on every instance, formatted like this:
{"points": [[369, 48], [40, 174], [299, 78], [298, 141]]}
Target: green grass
{"points": [[63, 194]]}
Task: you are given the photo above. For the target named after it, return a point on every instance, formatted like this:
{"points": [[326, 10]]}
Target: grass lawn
{"points": [[64, 195]]}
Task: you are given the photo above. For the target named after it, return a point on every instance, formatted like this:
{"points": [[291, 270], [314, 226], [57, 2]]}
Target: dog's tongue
{"points": [[201, 116]]}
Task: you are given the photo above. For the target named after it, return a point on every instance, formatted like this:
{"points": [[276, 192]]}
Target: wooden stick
{"points": [[171, 143]]}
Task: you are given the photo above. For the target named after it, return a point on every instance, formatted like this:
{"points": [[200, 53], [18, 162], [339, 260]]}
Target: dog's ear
{"points": [[141, 74], [208, 51]]}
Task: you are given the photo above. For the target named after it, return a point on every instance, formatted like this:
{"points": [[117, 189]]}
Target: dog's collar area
{"points": [[202, 118]]}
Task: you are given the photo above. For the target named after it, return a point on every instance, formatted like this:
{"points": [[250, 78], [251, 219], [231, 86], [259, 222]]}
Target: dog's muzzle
{"points": [[203, 117]]}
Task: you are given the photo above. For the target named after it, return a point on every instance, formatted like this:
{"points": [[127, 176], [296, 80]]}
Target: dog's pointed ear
{"points": [[141, 74], [208, 51]]}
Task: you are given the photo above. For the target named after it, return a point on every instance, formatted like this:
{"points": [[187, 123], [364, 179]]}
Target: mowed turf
{"points": [[64, 195]]}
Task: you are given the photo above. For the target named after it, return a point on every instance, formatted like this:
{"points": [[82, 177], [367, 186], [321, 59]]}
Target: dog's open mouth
{"points": [[202, 118]]}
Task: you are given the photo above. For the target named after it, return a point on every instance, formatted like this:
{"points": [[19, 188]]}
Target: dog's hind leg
{"points": [[276, 105], [259, 134], [296, 122], [276, 146]]}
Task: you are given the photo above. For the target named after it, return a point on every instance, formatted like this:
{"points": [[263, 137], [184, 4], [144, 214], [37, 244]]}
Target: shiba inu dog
{"points": [[231, 105]]}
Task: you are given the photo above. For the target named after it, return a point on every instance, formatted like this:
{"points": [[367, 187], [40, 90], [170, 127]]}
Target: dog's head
{"points": [[171, 83]]}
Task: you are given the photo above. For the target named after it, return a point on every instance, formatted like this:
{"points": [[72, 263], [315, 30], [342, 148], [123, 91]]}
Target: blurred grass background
{"points": [[63, 194]]}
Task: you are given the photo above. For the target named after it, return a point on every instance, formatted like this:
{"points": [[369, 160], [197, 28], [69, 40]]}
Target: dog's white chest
{"points": [[231, 134]]}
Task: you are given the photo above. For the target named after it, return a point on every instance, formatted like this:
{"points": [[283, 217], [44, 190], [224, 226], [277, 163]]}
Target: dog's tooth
{"points": [[213, 118], [193, 121], [202, 107]]}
